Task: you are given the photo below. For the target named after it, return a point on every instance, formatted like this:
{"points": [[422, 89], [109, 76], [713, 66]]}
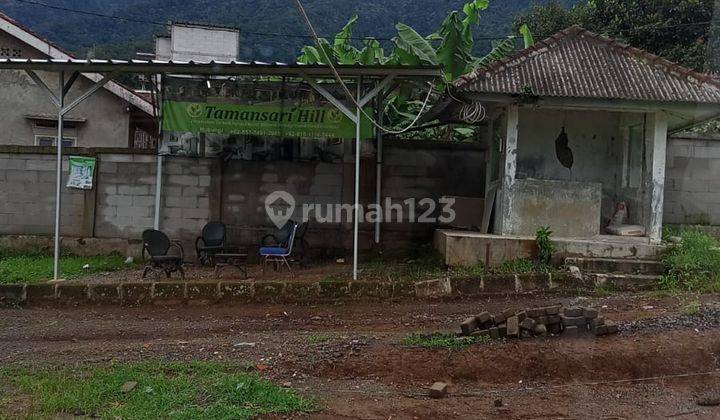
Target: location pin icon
{"points": [[279, 206]]}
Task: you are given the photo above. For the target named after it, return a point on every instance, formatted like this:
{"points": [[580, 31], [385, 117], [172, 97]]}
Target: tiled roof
{"points": [[577, 63]]}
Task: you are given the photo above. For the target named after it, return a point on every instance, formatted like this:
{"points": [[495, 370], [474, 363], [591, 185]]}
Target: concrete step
{"points": [[617, 265], [623, 282]]}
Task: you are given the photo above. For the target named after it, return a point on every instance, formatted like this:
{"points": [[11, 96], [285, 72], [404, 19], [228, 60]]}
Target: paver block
{"points": [[528, 324], [499, 318], [513, 327], [521, 316], [469, 325], [573, 312], [554, 328], [553, 310], [569, 321], [571, 331], [438, 390], [540, 330], [541, 320], [535, 312], [483, 319], [594, 323], [590, 313], [507, 313], [494, 333], [502, 330]]}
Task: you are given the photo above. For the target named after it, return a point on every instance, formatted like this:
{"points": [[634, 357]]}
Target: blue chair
{"points": [[278, 254]]}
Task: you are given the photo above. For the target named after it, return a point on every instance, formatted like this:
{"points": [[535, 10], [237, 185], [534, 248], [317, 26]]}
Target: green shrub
{"points": [[693, 264], [545, 246]]}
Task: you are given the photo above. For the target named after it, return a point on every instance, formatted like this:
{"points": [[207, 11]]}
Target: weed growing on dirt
{"points": [[604, 290], [693, 264], [520, 266], [163, 390], [442, 340], [37, 266], [545, 247], [692, 308], [320, 338]]}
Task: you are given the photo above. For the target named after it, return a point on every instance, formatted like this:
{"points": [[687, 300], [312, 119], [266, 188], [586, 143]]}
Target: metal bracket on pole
{"points": [[97, 86], [70, 82], [333, 100], [39, 82], [371, 95]]}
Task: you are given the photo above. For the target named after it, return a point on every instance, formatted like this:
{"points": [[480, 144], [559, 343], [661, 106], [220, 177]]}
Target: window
{"points": [[49, 141]]}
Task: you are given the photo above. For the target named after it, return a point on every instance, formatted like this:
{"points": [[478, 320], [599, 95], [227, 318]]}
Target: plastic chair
{"points": [[157, 245], [211, 242], [279, 254]]}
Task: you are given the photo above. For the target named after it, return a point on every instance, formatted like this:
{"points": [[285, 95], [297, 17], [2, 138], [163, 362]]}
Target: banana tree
{"points": [[451, 48]]}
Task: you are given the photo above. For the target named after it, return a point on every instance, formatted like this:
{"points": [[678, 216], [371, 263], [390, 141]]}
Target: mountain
{"points": [[257, 20]]}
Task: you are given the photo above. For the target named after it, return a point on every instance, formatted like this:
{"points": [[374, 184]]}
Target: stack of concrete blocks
{"points": [[533, 322]]}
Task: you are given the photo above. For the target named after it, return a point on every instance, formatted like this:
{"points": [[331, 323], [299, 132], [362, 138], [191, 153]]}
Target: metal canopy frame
{"points": [[382, 76]]}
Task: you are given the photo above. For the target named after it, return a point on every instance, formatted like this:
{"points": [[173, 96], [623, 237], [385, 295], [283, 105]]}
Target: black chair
{"points": [[302, 246], [211, 242], [157, 245]]}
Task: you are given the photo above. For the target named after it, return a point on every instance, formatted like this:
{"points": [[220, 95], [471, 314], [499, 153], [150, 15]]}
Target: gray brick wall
{"points": [[692, 184], [27, 197], [122, 204]]}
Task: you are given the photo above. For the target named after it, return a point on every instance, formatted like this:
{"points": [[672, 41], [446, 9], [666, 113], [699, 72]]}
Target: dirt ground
{"points": [[195, 273], [351, 358]]}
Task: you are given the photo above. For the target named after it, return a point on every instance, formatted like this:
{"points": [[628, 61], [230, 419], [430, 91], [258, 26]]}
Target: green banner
{"points": [[262, 120]]}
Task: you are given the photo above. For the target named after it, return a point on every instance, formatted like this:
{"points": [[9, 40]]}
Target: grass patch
{"points": [[442, 340], [604, 290], [693, 264], [164, 390], [320, 338], [692, 308], [36, 266]]}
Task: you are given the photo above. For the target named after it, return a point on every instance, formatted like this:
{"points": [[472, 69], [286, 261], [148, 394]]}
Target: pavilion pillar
{"points": [[656, 131], [509, 169]]}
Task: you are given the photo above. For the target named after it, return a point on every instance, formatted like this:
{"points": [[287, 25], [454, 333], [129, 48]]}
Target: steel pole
{"points": [[357, 180], [378, 172], [58, 175]]}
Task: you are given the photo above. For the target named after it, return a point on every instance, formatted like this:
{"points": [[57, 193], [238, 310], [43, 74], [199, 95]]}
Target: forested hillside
{"points": [[117, 38]]}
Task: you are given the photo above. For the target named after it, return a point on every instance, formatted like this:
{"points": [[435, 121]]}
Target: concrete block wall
{"points": [[196, 191], [27, 197], [431, 171], [247, 184], [126, 195], [692, 181]]}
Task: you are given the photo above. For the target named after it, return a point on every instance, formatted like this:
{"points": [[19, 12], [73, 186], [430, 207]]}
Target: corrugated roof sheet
{"points": [[216, 67], [580, 64]]}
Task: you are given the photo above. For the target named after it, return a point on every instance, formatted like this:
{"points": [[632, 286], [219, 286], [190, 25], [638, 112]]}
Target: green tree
{"points": [[678, 30]]}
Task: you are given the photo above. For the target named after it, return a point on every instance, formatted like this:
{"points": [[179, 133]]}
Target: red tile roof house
{"points": [[578, 124], [110, 118]]}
